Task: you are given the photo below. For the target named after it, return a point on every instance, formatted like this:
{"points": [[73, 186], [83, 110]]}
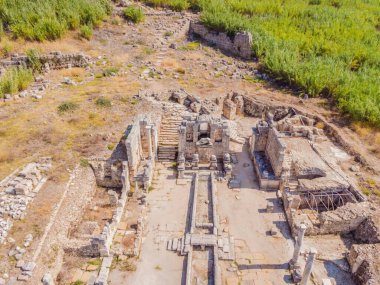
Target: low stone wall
{"points": [[54, 60], [240, 44]]}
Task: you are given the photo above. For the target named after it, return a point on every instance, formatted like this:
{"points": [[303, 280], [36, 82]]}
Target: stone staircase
{"points": [[234, 135], [168, 139]]}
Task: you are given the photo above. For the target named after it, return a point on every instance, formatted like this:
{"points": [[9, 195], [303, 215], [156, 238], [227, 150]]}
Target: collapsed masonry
{"points": [[17, 191]]}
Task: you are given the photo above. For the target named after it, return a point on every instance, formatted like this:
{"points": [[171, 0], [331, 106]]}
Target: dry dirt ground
{"points": [[141, 55]]}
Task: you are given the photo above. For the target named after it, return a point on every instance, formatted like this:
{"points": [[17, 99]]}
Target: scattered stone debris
{"points": [[17, 191]]}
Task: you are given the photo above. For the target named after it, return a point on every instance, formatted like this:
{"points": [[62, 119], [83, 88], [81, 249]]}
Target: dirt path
{"points": [[49, 253]]}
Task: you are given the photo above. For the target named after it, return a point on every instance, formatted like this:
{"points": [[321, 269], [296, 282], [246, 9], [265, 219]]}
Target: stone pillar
{"points": [[112, 196], [308, 266], [136, 185], [150, 142], [298, 245], [155, 141]]}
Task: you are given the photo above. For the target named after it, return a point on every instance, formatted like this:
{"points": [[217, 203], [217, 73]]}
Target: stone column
{"points": [[298, 245], [308, 266], [136, 185], [150, 142]]}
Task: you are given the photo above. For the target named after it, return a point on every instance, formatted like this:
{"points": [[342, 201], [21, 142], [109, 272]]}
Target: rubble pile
{"points": [[17, 191]]}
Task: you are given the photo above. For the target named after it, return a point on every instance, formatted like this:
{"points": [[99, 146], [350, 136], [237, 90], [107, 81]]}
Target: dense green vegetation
{"points": [[327, 48], [134, 14], [50, 19], [15, 80]]}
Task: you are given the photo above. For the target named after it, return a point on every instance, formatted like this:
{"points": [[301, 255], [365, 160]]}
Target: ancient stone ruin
{"points": [[239, 44]]}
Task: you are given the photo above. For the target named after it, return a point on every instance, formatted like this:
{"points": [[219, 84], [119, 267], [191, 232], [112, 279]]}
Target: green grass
{"points": [[49, 19], [15, 80], [176, 5], [84, 162], [34, 60], [67, 106], [134, 14], [191, 46], [326, 48], [78, 282], [86, 32], [103, 102]]}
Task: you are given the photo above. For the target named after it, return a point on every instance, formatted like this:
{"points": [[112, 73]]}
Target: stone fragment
{"points": [[47, 279], [20, 264], [29, 266]]}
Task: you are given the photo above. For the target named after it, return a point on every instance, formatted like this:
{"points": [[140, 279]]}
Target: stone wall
{"points": [[54, 60], [107, 173], [240, 44], [275, 151]]}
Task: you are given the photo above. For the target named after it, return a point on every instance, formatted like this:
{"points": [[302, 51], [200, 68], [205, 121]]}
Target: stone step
{"points": [[169, 131], [167, 144]]}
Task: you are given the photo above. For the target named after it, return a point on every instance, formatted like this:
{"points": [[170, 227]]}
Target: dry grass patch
{"points": [[76, 72], [170, 63]]}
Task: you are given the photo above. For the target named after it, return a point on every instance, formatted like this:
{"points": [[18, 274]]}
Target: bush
{"points": [[34, 60], [15, 80], [86, 32], [6, 49], [111, 71], [178, 5], [103, 102], [67, 106], [134, 14], [49, 19]]}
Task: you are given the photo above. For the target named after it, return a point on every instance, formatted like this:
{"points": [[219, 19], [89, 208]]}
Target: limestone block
{"points": [[229, 109], [47, 279], [239, 102]]}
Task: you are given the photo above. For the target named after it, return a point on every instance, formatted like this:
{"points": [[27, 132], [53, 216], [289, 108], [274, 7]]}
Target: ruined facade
{"points": [[203, 140], [288, 153], [239, 44], [134, 158]]}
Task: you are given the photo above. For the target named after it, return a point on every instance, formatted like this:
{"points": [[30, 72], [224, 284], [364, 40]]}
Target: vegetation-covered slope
{"points": [[322, 47], [50, 19]]}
